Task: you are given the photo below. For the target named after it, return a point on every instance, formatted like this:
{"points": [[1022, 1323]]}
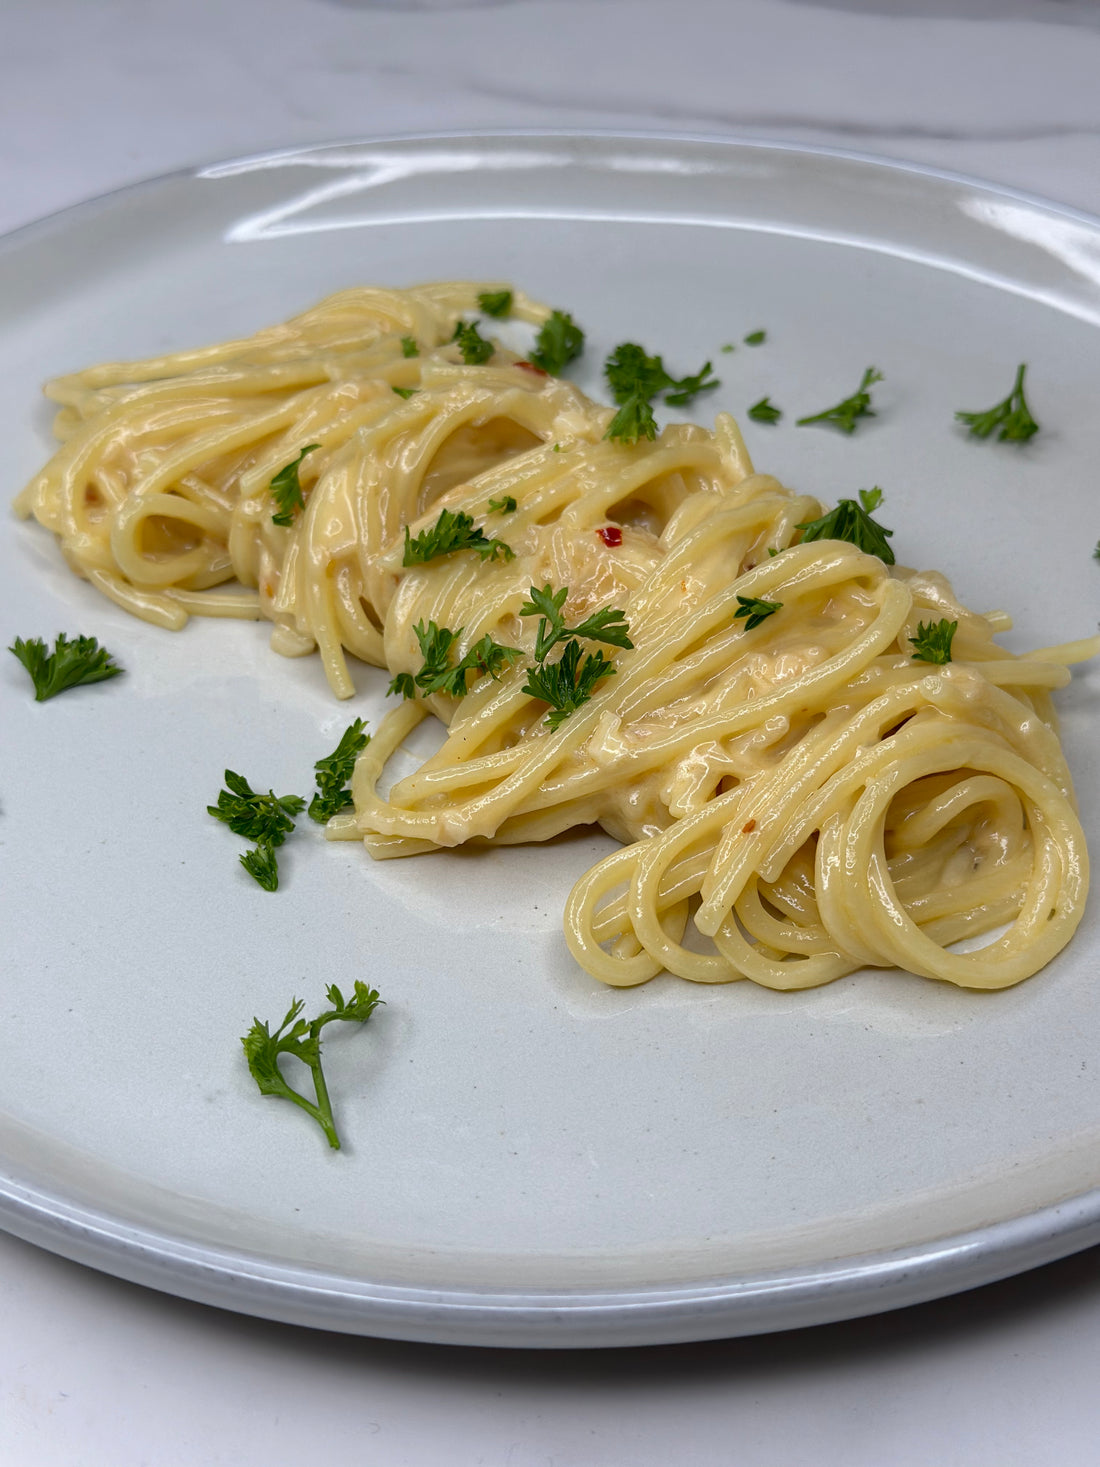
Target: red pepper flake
{"points": [[610, 534], [530, 367], [748, 827]]}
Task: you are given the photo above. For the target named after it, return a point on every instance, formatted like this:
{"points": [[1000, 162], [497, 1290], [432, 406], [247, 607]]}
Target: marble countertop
{"points": [[94, 96]]}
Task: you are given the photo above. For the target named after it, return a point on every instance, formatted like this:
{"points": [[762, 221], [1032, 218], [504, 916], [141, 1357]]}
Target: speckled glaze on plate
{"points": [[532, 1159]]}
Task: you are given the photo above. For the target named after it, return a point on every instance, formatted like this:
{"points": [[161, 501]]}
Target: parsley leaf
{"points": [[755, 610], [567, 683], [870, 498], [262, 865], [688, 387], [438, 676], [302, 1039], [286, 489], [1012, 416], [631, 372], [756, 338], [559, 341], [72, 662], [334, 771], [729, 346], [634, 420], [495, 302], [609, 625], [933, 642], [846, 414], [406, 392], [506, 504], [850, 521], [409, 347], [265, 819], [765, 411], [473, 346], [452, 532]]}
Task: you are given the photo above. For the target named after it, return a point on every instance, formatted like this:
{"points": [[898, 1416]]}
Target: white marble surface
{"points": [[96, 93]]}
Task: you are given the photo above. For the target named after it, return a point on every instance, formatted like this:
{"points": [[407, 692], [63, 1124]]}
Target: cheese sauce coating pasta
{"points": [[795, 800]]}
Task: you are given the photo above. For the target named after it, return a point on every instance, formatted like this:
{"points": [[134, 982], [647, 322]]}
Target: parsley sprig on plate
{"points": [[845, 415], [301, 1038], [73, 662], [1010, 419]]}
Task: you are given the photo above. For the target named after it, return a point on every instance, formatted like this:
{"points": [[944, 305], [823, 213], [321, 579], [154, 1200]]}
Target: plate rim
{"points": [[763, 1300]]}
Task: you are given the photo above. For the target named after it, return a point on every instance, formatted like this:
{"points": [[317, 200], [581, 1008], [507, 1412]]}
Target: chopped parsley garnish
{"points": [[634, 420], [302, 1039], [334, 771], [632, 372], [608, 625], [765, 411], [729, 346], [567, 683], [266, 819], [473, 346], [262, 865], [409, 347], [506, 504], [846, 414], [756, 338], [73, 661], [635, 378], [403, 683], [286, 489], [452, 532], [559, 341], [1012, 416], [406, 392], [496, 302], [436, 675], [933, 642], [754, 610], [851, 521]]}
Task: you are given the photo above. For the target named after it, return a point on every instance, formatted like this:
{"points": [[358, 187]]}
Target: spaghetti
{"points": [[796, 798]]}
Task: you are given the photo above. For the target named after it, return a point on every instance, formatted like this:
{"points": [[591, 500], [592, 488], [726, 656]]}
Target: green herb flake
{"points": [[634, 420], [406, 392], [301, 1038], [754, 610], [765, 411], [450, 533], [409, 347], [506, 504], [756, 338], [266, 819], [334, 772], [437, 675], [845, 415], [933, 642], [567, 683], [496, 303], [560, 341], [1012, 417], [473, 346], [609, 625], [73, 662], [286, 489], [852, 522]]}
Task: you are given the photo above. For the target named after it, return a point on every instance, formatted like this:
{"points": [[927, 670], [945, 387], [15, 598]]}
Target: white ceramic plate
{"points": [[530, 1158]]}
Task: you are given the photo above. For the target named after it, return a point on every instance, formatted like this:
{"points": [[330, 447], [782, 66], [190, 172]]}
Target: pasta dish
{"points": [[796, 792]]}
